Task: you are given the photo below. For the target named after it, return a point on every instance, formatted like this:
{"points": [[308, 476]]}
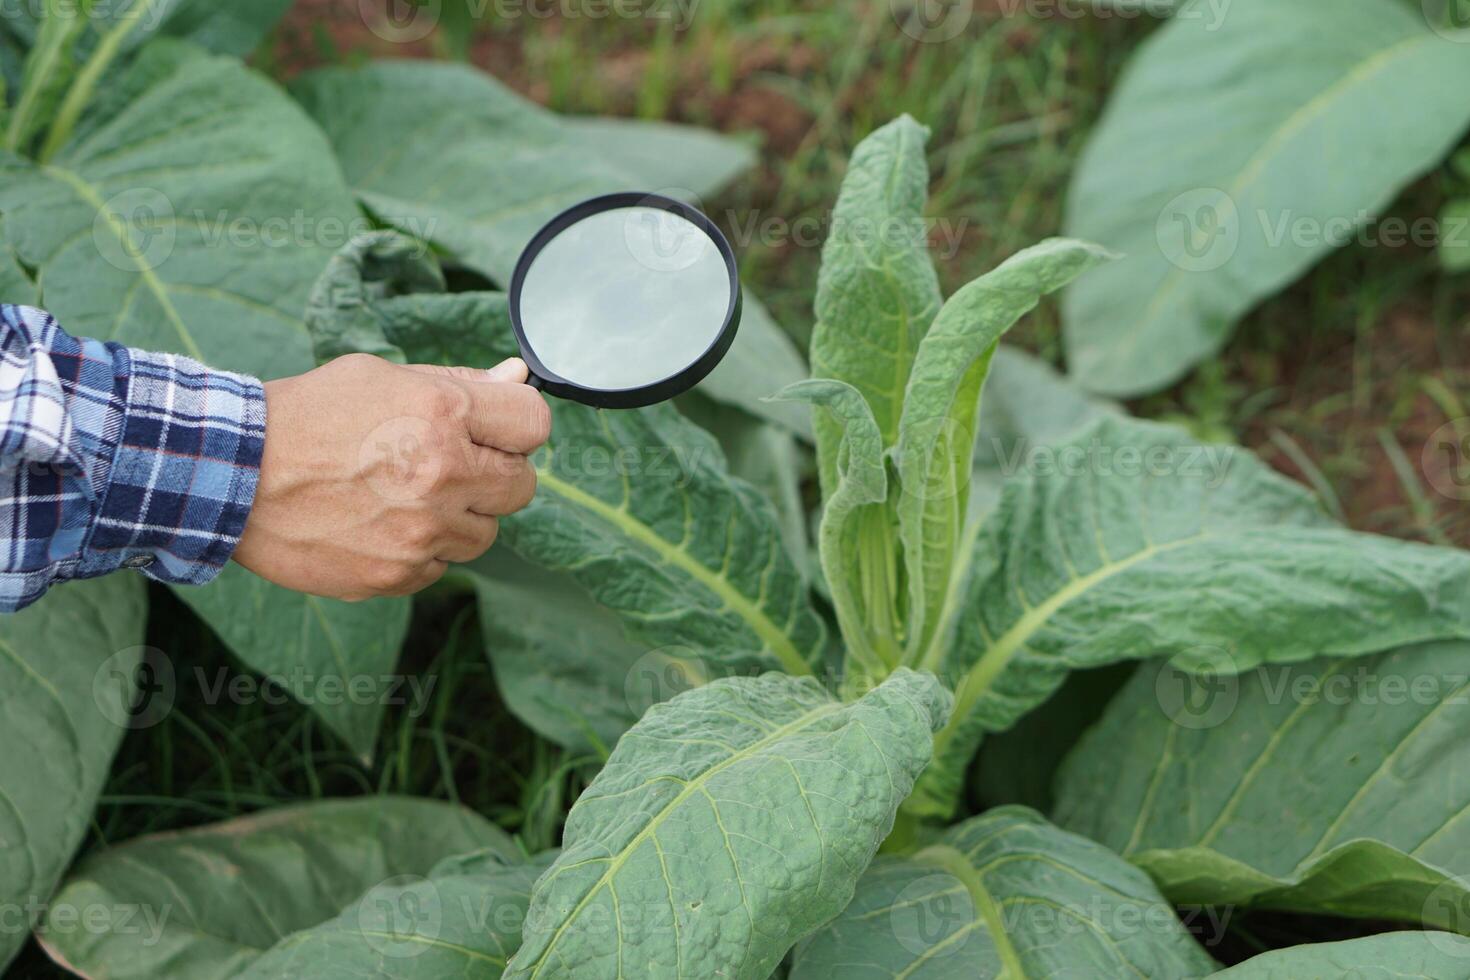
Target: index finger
{"points": [[513, 418]]}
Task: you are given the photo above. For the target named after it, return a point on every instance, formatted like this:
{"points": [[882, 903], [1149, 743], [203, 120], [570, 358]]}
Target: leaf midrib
{"points": [[994, 660], [89, 195], [693, 786], [772, 635], [958, 865]]}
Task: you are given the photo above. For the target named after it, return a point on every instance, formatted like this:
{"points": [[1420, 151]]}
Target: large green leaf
{"points": [[205, 903], [337, 658], [67, 667], [195, 219], [1369, 754], [727, 824], [561, 661], [1003, 895], [637, 506], [478, 170], [937, 427], [1131, 541], [1391, 956], [464, 920], [668, 157], [1221, 169], [684, 553]]}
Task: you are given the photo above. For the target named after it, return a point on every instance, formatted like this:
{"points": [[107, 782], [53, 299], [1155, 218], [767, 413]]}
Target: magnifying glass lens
{"points": [[625, 300]]}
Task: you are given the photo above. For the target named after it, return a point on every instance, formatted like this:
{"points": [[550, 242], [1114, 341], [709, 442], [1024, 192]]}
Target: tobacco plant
{"points": [[768, 725]]}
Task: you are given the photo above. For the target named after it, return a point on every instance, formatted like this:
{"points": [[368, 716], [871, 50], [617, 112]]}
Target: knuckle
{"points": [[388, 577], [526, 489], [418, 533], [355, 362], [492, 532], [535, 417], [446, 402]]}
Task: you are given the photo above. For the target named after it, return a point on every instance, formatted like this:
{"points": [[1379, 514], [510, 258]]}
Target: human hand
{"points": [[377, 475]]}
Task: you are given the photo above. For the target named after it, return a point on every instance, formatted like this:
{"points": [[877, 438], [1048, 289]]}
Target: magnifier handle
{"points": [[535, 382]]}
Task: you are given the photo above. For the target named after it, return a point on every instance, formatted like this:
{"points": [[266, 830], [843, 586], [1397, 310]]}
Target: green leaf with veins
{"points": [[66, 696], [1391, 956], [479, 170], [637, 506], [205, 903], [1368, 751], [129, 227], [728, 823], [937, 427], [989, 899], [1134, 542], [463, 920], [1225, 135]]}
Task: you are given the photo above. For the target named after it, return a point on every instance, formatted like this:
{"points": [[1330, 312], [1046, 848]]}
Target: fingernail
{"points": [[510, 369]]}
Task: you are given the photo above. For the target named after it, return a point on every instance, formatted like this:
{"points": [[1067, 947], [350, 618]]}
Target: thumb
{"points": [[512, 370]]}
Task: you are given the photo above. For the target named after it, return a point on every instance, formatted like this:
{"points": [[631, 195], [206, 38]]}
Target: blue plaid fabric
{"points": [[113, 458]]}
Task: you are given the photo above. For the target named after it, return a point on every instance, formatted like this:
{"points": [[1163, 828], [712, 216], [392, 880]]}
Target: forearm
{"points": [[113, 458]]}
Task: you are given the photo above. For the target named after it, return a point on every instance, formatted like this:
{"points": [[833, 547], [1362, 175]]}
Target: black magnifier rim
{"points": [[645, 395]]}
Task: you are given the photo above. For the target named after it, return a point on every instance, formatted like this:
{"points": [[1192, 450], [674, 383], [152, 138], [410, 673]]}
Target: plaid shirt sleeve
{"points": [[116, 458]]}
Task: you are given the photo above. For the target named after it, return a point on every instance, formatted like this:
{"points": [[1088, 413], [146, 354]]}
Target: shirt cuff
{"points": [[184, 474]]}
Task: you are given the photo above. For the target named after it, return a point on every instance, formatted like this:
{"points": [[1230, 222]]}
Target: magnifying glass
{"points": [[625, 300]]}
